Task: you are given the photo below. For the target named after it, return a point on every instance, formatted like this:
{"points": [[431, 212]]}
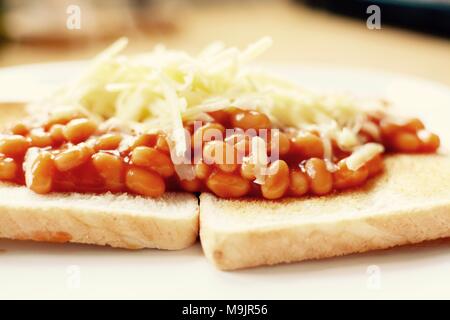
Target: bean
{"points": [[345, 178], [276, 183], [320, 179], [79, 130], [153, 159], [298, 183], [144, 182], [227, 185], [14, 145]]}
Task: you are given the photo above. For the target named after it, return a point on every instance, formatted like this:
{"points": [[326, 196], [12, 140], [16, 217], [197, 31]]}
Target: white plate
{"points": [[38, 270]]}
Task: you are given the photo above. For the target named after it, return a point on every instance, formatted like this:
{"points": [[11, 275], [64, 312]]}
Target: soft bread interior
{"points": [[409, 203]]}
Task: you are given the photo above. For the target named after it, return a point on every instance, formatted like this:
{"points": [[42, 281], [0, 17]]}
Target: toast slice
{"points": [[409, 203], [123, 221]]}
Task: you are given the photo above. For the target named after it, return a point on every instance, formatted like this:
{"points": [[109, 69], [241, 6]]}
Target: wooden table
{"points": [[301, 35]]}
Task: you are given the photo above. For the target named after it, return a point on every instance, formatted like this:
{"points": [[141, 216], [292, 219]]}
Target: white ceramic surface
{"points": [[38, 270]]}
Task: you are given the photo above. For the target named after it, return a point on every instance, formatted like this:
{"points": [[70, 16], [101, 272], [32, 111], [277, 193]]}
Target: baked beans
{"points": [[19, 129], [145, 182], [250, 120], [409, 137], [57, 134], [8, 168], [227, 185], [78, 130], [144, 140], [344, 178], [162, 144], [111, 168], [277, 182], [429, 142], [194, 185], [14, 145], [413, 125], [307, 145], [222, 154], [248, 170], [220, 116], [405, 141], [40, 177], [388, 128], [298, 183], [70, 153], [73, 157], [208, 132], [202, 170], [375, 165], [40, 139], [242, 144], [280, 141], [62, 117], [320, 179], [109, 141], [153, 159]]}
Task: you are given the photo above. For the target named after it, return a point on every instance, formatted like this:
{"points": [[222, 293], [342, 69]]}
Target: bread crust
{"points": [[409, 203]]}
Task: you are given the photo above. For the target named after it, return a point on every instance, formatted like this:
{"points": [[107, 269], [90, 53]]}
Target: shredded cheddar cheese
{"points": [[363, 154], [162, 88]]}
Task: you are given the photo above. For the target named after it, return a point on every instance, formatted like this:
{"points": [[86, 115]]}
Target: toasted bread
{"points": [[122, 220], [409, 203]]}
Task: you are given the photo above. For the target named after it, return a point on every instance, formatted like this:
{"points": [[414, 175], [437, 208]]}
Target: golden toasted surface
{"points": [[408, 180], [409, 203]]}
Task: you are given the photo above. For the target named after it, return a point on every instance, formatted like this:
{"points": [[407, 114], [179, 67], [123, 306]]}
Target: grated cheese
{"points": [[258, 157], [363, 154], [162, 88]]}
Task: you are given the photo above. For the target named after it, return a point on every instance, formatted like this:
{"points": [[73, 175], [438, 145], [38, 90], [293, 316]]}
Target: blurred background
{"points": [[414, 37]]}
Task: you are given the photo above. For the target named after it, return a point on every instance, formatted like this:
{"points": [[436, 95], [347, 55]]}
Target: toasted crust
{"points": [[409, 203], [123, 221]]}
